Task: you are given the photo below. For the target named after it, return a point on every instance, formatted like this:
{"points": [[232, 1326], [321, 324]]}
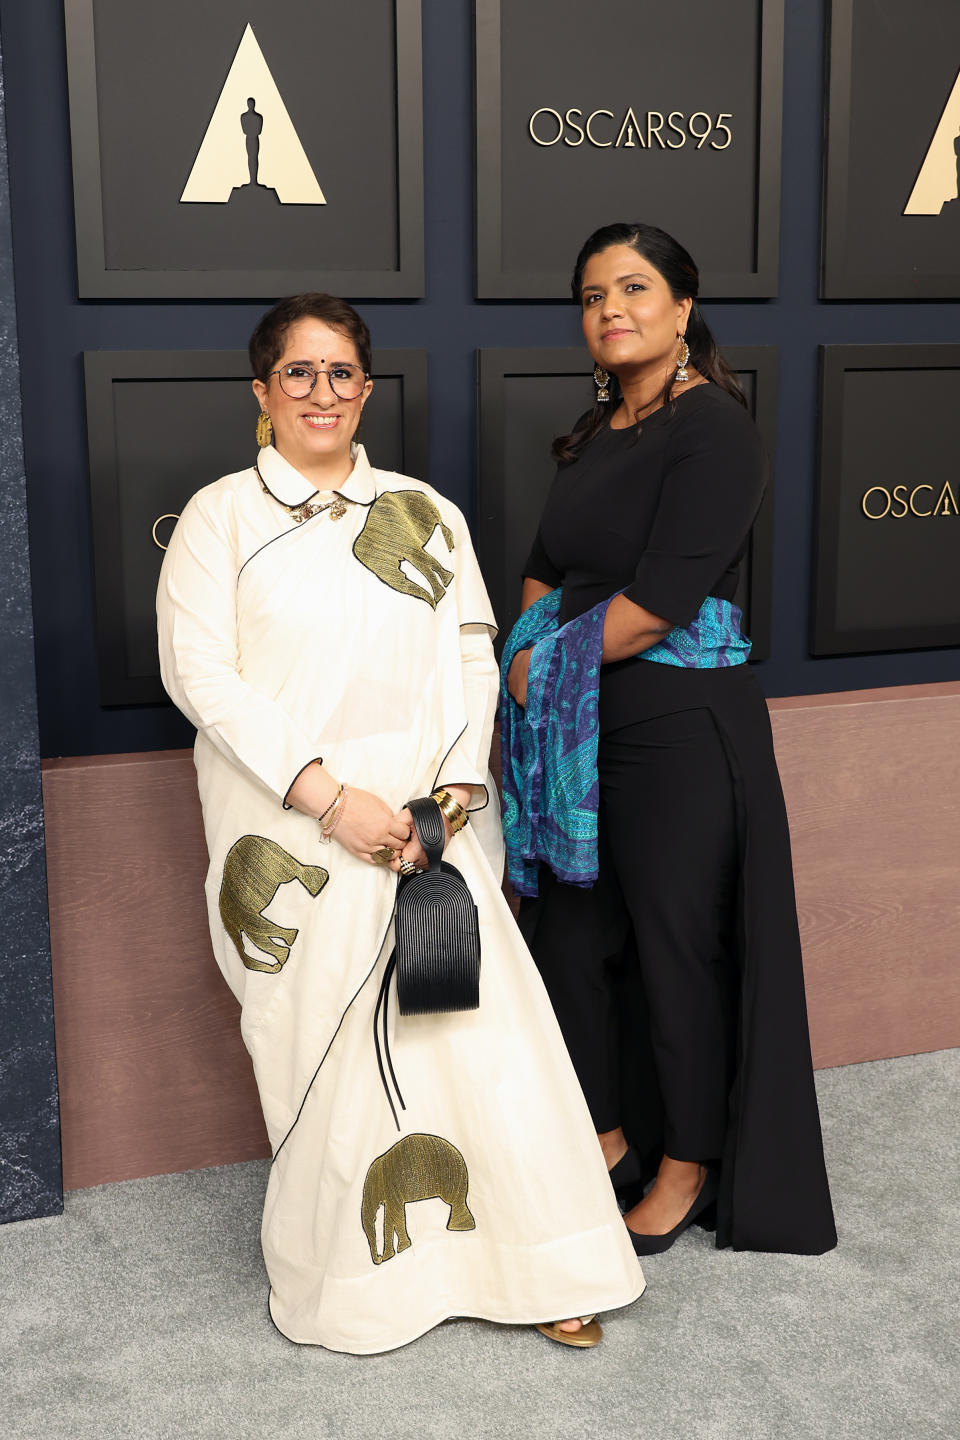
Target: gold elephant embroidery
{"points": [[253, 872], [397, 528], [418, 1167]]}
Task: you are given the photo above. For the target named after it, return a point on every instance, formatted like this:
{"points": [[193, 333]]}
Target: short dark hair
{"points": [[269, 338]]}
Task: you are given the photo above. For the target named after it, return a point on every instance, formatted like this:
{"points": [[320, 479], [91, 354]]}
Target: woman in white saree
{"points": [[325, 627]]}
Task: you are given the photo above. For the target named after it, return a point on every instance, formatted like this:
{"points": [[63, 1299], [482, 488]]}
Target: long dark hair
{"points": [[683, 278]]}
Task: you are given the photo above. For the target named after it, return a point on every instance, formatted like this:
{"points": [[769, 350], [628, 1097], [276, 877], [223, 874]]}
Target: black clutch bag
{"points": [[435, 923]]}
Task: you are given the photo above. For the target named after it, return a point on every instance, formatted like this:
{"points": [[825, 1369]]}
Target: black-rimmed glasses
{"points": [[298, 380]]}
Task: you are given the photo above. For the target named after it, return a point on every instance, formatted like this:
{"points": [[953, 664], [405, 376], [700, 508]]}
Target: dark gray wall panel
{"points": [[893, 72], [144, 84], [888, 541], [583, 120]]}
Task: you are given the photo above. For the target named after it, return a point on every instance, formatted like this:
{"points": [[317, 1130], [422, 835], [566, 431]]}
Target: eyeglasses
{"points": [[298, 381]]}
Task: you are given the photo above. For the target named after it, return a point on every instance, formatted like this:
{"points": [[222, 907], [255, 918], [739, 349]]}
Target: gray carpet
{"points": [[142, 1312]]}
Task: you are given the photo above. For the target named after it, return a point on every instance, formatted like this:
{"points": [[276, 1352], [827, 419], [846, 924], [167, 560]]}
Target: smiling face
{"points": [[314, 434], [630, 318]]}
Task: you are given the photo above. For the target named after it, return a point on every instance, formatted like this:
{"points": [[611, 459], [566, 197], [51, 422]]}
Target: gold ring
{"points": [[383, 856], [407, 867], [153, 529]]}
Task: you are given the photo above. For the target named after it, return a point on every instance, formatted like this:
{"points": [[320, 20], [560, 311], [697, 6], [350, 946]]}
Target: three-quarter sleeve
{"points": [[199, 654], [468, 760], [539, 566], [714, 477]]}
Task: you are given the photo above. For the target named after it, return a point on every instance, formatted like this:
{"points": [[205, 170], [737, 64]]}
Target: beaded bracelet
{"points": [[338, 808], [322, 819]]}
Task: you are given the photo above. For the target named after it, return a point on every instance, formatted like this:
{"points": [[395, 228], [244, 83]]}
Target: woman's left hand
{"points": [[413, 850], [517, 676]]}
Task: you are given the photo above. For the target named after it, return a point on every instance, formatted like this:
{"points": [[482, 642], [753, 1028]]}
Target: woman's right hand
{"points": [[517, 676], [367, 824]]}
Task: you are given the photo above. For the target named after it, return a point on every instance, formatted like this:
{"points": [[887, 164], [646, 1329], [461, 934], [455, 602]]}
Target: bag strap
{"points": [[428, 822], [383, 1001]]}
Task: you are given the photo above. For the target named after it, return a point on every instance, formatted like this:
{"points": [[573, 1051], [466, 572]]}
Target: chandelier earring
{"points": [[264, 430], [683, 356], [601, 379]]}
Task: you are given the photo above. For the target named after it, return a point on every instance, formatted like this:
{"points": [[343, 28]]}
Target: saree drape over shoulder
{"points": [[361, 635]]}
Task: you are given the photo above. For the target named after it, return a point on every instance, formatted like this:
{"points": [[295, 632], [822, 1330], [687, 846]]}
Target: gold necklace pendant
{"points": [[306, 511], [309, 508]]}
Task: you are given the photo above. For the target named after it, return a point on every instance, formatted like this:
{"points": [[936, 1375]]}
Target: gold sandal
{"points": [[589, 1334]]}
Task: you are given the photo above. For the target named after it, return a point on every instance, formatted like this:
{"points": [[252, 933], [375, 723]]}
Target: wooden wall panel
{"points": [[154, 1076], [872, 782]]}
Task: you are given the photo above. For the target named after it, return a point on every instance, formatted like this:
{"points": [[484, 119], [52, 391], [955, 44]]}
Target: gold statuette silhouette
{"points": [[250, 144], [936, 190]]}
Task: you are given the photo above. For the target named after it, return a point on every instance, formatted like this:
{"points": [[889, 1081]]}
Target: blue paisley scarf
{"points": [[548, 749]]}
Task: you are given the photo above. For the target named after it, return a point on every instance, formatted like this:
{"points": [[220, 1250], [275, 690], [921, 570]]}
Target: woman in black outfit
{"points": [[677, 978]]}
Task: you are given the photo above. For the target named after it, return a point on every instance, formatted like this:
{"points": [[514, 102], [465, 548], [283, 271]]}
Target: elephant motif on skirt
{"points": [[418, 1167], [253, 872], [397, 528]]}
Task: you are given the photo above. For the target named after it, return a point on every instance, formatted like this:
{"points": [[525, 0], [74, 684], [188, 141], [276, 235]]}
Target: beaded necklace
{"points": [[307, 508]]}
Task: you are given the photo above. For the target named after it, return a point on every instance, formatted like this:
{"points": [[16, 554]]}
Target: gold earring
{"points": [[683, 355], [601, 380], [264, 430]]}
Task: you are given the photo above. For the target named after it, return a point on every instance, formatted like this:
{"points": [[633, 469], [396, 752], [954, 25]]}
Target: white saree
{"points": [[364, 638]]}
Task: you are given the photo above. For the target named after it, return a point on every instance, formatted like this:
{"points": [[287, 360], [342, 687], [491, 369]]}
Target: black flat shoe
{"points": [[626, 1177], [656, 1244]]}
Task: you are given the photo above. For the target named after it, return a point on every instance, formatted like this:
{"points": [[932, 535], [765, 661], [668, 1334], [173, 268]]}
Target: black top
{"points": [[664, 516]]}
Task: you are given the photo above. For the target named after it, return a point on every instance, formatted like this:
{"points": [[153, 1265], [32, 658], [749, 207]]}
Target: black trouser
{"points": [[668, 863]]}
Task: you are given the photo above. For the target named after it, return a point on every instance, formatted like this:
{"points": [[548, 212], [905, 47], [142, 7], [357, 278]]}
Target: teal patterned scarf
{"points": [[548, 749]]}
